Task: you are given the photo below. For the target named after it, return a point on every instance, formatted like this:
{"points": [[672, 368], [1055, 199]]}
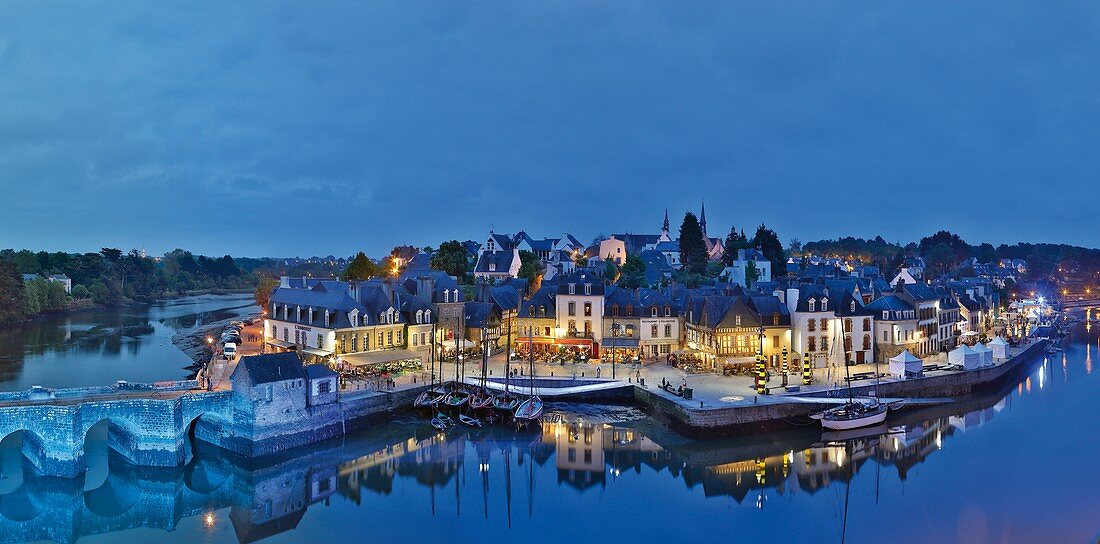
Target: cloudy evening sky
{"points": [[314, 128]]}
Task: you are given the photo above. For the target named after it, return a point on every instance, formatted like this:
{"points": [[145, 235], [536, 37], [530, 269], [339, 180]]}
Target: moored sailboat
{"points": [[856, 412]]}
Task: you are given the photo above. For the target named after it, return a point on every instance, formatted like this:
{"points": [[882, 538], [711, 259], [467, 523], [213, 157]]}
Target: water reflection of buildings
{"points": [[272, 499]]}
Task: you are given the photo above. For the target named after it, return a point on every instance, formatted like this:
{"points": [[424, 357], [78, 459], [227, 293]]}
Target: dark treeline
{"points": [[945, 251], [108, 277]]}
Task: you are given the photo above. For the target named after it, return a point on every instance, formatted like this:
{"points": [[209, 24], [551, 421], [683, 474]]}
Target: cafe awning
{"points": [[317, 352], [535, 340], [377, 357], [462, 344]]}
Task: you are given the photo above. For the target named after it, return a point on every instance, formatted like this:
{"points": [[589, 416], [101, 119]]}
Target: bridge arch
{"points": [[122, 434]]}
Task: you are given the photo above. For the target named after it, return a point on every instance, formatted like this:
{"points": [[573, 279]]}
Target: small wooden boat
{"points": [[442, 422], [505, 403], [427, 398], [480, 400], [456, 398], [529, 410], [469, 421]]}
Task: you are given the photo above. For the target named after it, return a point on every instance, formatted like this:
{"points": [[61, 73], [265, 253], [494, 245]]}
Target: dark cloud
{"points": [[295, 128]]}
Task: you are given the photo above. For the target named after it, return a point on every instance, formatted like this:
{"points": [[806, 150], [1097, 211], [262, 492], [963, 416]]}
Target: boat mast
{"points": [[531, 357], [838, 343], [484, 357], [456, 359]]}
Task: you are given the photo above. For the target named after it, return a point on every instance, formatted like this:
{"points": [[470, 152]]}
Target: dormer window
{"points": [[492, 267], [531, 311], [824, 304], [812, 305], [588, 288], [853, 305], [653, 311], [298, 313], [738, 320], [446, 296], [572, 288], [427, 316], [886, 314], [629, 309], [668, 311], [327, 318], [456, 295]]}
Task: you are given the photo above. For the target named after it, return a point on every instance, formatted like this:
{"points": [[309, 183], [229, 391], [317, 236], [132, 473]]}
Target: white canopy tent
{"points": [[999, 347], [985, 355], [906, 365], [964, 356]]}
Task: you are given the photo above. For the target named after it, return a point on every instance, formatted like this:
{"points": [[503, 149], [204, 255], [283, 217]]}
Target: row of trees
{"points": [[109, 276]]}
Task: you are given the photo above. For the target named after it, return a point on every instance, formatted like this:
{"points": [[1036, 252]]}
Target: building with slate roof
{"points": [[921, 297], [738, 269], [497, 265], [537, 318], [896, 326], [331, 318], [830, 323], [728, 329]]}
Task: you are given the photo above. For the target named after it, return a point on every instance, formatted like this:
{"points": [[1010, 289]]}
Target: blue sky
{"points": [[302, 128]]}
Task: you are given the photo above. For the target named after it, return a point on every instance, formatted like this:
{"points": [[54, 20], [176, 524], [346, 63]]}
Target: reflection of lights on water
{"points": [[1027, 384], [939, 440], [483, 467], [208, 519], [1042, 375]]}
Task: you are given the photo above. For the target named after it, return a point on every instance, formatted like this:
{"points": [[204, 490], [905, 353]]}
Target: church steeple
{"points": [[664, 237], [703, 217]]}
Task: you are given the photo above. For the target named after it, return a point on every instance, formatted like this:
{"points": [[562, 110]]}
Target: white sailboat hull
{"points": [[845, 424]]}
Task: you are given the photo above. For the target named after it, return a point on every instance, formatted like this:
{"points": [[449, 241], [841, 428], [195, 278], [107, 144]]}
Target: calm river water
{"points": [[1014, 466], [100, 346]]}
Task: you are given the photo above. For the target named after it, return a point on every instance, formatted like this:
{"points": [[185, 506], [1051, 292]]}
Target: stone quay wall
{"points": [[725, 420]]}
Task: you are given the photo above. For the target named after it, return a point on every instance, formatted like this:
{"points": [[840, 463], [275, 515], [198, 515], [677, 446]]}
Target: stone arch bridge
{"points": [[148, 424]]}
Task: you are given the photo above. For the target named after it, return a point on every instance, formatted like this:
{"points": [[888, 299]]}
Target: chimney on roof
{"points": [[483, 294], [425, 286]]}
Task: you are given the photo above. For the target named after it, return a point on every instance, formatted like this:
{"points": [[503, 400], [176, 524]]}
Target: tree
{"points": [[959, 249], [693, 249], [79, 291], [451, 258], [768, 242], [632, 274], [529, 266], [985, 253], [360, 268], [112, 254], [264, 290], [610, 270], [734, 242], [11, 292], [941, 257], [794, 247], [751, 273]]}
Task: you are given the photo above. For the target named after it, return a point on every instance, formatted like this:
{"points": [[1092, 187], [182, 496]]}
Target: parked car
{"points": [[229, 350]]}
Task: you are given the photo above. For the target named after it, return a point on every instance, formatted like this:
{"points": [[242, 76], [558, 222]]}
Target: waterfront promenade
{"points": [[149, 423]]}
